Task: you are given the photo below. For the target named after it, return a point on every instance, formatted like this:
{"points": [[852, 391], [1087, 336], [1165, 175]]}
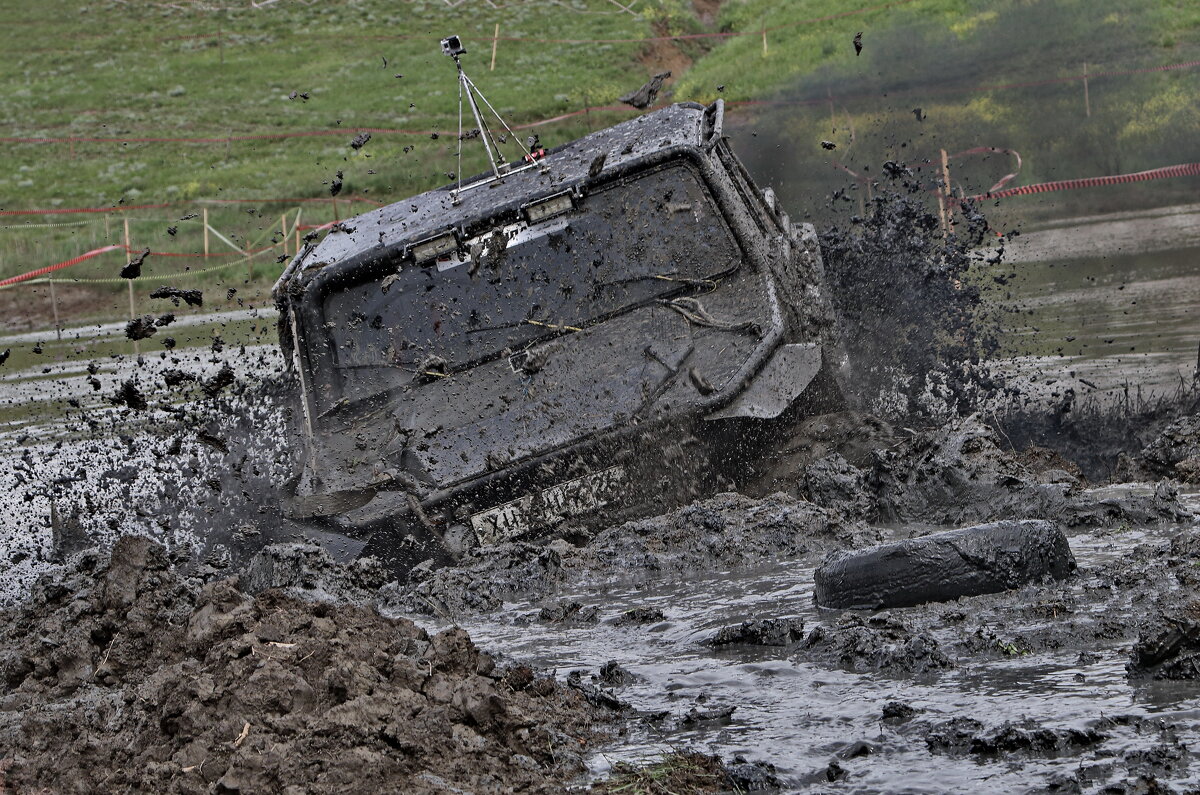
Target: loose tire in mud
{"points": [[944, 566]]}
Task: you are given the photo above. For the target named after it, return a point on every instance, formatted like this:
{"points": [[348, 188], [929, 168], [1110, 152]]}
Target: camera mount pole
{"points": [[453, 47], [495, 158]]}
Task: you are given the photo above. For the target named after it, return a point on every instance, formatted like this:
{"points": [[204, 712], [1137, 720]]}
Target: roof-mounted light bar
{"points": [[548, 207], [431, 248]]}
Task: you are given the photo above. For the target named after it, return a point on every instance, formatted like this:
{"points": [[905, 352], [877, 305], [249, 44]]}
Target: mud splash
{"points": [[910, 306]]}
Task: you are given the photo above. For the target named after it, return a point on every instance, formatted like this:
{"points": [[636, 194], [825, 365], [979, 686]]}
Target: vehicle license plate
{"points": [[562, 501]]}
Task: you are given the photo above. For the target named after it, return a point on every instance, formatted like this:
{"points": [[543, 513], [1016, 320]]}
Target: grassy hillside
{"points": [[215, 70], [1001, 74], [223, 69]]}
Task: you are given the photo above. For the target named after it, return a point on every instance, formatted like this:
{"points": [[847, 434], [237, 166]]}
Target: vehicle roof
{"points": [[429, 213]]}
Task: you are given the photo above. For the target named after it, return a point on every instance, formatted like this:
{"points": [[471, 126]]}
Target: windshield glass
{"points": [[620, 246]]}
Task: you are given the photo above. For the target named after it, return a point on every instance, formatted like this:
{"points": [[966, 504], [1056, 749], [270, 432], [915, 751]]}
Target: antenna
{"points": [[453, 46]]}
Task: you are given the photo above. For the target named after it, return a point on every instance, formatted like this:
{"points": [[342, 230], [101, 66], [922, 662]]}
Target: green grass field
{"points": [[221, 69]]}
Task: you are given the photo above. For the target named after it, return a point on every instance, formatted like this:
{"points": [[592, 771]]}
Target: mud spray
{"points": [[168, 631]]}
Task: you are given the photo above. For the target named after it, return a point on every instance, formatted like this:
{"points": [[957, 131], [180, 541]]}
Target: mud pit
{"points": [[204, 662]]}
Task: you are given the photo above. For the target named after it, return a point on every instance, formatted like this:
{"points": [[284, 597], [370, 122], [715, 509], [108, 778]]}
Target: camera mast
{"points": [[452, 46]]}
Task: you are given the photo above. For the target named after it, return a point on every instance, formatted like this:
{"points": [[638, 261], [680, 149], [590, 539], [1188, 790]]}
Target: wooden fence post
{"points": [[204, 221], [129, 284], [944, 197], [1087, 101], [495, 39], [54, 306]]}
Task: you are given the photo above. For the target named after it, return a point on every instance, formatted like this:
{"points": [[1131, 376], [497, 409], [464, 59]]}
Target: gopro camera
{"points": [[452, 46]]}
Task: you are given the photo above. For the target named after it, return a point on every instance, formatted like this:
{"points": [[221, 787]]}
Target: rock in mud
{"points": [[943, 566], [118, 676], [1170, 647], [1175, 452], [761, 632], [878, 644], [967, 735]]}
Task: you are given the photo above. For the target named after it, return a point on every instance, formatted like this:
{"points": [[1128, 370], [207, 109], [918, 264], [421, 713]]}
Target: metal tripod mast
{"points": [[466, 87]]}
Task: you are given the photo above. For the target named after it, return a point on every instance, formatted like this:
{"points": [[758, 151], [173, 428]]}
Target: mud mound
{"points": [[119, 675], [1175, 452], [959, 473]]}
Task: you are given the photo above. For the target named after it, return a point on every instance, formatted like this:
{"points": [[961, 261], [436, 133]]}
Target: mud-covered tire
{"points": [[975, 560]]}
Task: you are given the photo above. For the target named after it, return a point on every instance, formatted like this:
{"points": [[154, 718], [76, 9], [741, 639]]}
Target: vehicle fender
{"points": [[782, 379]]}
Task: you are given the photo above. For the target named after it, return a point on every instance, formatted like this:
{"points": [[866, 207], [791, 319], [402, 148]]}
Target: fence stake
{"points": [[54, 305], [283, 231], [764, 35], [204, 220], [944, 196], [495, 39], [129, 284], [1087, 102]]}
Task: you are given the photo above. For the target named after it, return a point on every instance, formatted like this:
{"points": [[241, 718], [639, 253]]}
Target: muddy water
{"points": [[799, 715]]}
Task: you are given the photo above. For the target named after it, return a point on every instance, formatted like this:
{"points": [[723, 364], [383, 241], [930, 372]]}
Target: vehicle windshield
{"points": [[620, 246]]}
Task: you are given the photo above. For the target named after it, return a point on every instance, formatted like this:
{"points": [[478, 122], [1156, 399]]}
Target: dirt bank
{"points": [[120, 675]]}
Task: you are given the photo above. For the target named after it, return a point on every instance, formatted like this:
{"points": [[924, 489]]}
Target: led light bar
{"points": [[434, 247], [548, 208]]}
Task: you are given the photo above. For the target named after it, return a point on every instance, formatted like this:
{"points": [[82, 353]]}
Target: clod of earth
{"points": [[223, 378], [189, 297], [1169, 648], [129, 395], [644, 97], [133, 268], [761, 632], [943, 566], [140, 328], [880, 643]]}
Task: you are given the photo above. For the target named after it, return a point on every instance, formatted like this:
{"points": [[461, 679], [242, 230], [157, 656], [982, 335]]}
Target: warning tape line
{"points": [[1182, 170], [33, 276], [47, 226], [58, 265], [164, 277]]}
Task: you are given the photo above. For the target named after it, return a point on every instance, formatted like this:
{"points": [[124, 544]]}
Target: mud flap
{"points": [[783, 379]]}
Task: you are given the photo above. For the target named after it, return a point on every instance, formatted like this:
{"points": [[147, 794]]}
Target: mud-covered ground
{"points": [[165, 628], [691, 630]]}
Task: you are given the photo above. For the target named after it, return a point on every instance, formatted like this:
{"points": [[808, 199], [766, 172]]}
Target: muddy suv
{"points": [[587, 338]]}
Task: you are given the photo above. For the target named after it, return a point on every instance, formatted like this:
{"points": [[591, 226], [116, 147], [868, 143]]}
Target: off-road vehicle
{"points": [[582, 336]]}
